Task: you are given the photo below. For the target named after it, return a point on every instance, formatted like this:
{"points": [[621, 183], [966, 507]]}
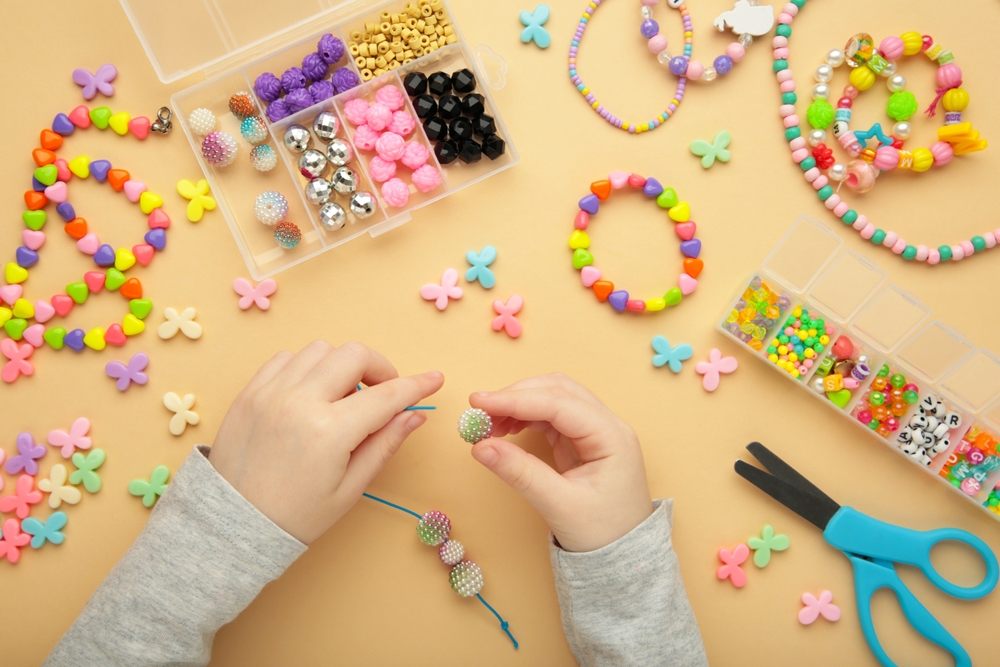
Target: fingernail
{"points": [[434, 375], [486, 455], [415, 421], [482, 394]]}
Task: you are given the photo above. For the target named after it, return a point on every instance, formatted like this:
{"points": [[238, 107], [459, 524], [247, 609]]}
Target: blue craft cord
{"points": [[412, 407], [503, 624], [386, 502]]}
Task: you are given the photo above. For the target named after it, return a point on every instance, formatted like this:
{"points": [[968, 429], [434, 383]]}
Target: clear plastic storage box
{"points": [[233, 42], [809, 272]]}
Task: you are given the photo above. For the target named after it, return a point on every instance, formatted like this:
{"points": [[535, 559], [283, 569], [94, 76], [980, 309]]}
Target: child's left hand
{"points": [[301, 444]]}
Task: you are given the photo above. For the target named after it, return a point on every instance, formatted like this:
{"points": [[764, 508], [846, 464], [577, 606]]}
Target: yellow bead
{"points": [[797, 312], [802, 335], [132, 325], [578, 239], [24, 309], [795, 373], [809, 353], [14, 273], [923, 159], [793, 357], [782, 349], [956, 99], [812, 333], [5, 315], [119, 123], [824, 340], [773, 358], [912, 43], [95, 339], [862, 78], [149, 201]]}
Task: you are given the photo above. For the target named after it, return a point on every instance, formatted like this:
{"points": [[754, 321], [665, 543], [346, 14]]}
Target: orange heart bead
{"points": [[50, 140], [693, 267], [601, 188], [132, 289], [43, 157], [602, 289], [77, 228], [117, 178], [35, 201]]}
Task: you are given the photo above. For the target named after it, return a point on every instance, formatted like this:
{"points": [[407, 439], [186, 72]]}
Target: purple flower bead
{"points": [[321, 90], [268, 87], [678, 65], [723, 65], [344, 79], [649, 28], [277, 110], [298, 99], [330, 49], [293, 79], [314, 67]]}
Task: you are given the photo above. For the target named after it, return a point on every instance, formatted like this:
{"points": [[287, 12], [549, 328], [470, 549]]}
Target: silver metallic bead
{"points": [[326, 125], [363, 204], [838, 172], [664, 57], [344, 181], [889, 70], [817, 385], [297, 138], [863, 359], [709, 74], [823, 74], [896, 83], [319, 191], [821, 91], [646, 13], [332, 216], [901, 130], [339, 152], [816, 137], [312, 164], [835, 58], [745, 41]]}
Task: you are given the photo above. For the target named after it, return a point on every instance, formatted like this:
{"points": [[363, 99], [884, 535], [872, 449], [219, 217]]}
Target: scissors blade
{"points": [[816, 510], [773, 464]]}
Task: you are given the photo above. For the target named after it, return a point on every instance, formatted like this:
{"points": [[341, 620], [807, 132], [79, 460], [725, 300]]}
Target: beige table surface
{"points": [[369, 593]]}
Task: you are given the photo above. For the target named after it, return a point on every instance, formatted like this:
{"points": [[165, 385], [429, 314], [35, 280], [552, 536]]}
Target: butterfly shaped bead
{"points": [[670, 356], [479, 269], [533, 30], [183, 322], [23, 497], [75, 439], [48, 531], [13, 540], [250, 295], [505, 319], [816, 607], [730, 568], [100, 81], [199, 199], [26, 459], [183, 414], [714, 367], [86, 469], [127, 374], [59, 492], [150, 490], [710, 152], [767, 542], [440, 294], [18, 356]]}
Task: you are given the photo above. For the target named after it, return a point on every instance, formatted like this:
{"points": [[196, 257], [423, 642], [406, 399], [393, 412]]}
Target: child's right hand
{"points": [[599, 493]]}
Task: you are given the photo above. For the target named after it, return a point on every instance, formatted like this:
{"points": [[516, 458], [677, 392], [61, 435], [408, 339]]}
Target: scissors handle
{"points": [[870, 577], [853, 532]]}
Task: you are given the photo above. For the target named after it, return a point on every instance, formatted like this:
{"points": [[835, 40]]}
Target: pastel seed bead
{"points": [[779, 41], [933, 256], [787, 86], [899, 246], [990, 239], [957, 253], [821, 182]]}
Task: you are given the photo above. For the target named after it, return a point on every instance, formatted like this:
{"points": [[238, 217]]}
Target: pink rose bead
{"points": [[395, 193], [390, 147], [381, 169], [933, 256], [695, 70], [365, 137], [426, 178], [735, 51], [415, 155], [402, 123], [657, 43], [356, 112], [378, 116], [391, 96]]}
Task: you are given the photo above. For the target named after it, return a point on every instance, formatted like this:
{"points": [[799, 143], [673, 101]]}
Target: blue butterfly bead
{"points": [[533, 31], [670, 356], [478, 269], [48, 531]]}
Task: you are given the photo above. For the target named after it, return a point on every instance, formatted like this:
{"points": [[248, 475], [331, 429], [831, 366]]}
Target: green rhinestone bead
{"points": [[979, 243], [909, 252], [850, 217], [878, 237], [808, 163], [789, 98], [945, 251], [784, 30], [825, 192], [779, 65], [793, 133]]}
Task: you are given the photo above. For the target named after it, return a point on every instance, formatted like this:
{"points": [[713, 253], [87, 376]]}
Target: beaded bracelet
{"points": [[821, 183], [49, 186], [678, 211]]}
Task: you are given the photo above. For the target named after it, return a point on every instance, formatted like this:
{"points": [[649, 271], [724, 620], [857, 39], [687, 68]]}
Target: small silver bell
{"points": [[297, 138], [344, 181], [339, 153], [312, 164], [163, 123], [332, 216], [319, 191], [326, 125], [363, 204]]}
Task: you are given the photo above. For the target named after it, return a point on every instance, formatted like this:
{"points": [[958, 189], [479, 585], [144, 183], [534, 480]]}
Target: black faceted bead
{"points": [[484, 125], [415, 84], [449, 107], [437, 128], [439, 83], [461, 130], [494, 146], [463, 81], [446, 151], [425, 105], [473, 105], [470, 152]]}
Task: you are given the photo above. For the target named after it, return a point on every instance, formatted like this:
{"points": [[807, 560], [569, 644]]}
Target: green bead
{"points": [[945, 251], [850, 217], [140, 307], [878, 237], [100, 117], [474, 425], [779, 65], [114, 279], [789, 98], [47, 175], [825, 192], [433, 528], [784, 30], [15, 327], [793, 133], [909, 252], [581, 258], [876, 398], [34, 219], [78, 292], [902, 104], [819, 347], [979, 243], [667, 199], [820, 114], [910, 397], [54, 337], [771, 349], [897, 380], [799, 3], [884, 371], [808, 163], [783, 339], [873, 424]]}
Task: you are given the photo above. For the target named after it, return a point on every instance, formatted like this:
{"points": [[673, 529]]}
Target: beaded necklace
{"points": [[821, 183]]}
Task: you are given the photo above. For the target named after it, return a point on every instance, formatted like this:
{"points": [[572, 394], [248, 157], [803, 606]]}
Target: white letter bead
{"points": [[911, 448], [918, 422], [953, 419], [924, 460], [905, 436], [941, 431], [928, 439], [941, 446], [927, 405], [932, 423], [940, 410]]}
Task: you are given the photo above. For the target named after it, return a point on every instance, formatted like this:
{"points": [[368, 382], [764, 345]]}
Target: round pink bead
{"points": [[695, 70], [933, 256], [968, 248], [790, 9], [832, 201], [415, 155], [868, 231], [948, 76], [391, 96], [821, 183], [899, 247], [797, 143], [780, 53], [657, 43], [922, 253], [785, 75], [778, 42], [891, 48], [990, 239], [365, 137], [800, 155], [812, 174], [426, 178], [861, 222], [996, 233], [785, 19], [787, 86], [791, 121], [841, 210], [395, 193], [957, 253], [890, 239], [943, 153], [378, 116], [786, 110], [808, 363], [886, 158]]}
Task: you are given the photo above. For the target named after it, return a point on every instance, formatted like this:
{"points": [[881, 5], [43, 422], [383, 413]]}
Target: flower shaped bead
{"points": [[183, 322], [57, 489], [730, 568], [86, 470], [440, 294], [199, 199], [816, 607], [150, 490], [27, 456], [23, 497], [13, 540], [75, 439], [48, 531], [765, 544], [183, 414], [714, 367]]}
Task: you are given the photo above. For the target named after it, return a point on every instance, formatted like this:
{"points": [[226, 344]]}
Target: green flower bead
{"points": [[979, 243], [820, 114], [902, 105], [945, 251], [878, 237]]}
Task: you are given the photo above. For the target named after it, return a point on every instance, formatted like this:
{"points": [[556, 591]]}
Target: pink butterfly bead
{"points": [[505, 319], [730, 569], [440, 294], [250, 295], [713, 368], [100, 81], [75, 439], [13, 540], [18, 356], [23, 497], [814, 608]]}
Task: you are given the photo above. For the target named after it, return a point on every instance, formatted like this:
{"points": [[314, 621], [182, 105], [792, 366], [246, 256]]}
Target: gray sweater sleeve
{"points": [[204, 555], [624, 605]]}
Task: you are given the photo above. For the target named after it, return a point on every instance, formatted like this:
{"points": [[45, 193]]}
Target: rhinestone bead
{"points": [[461, 129], [446, 152], [363, 204], [745, 41], [451, 552], [664, 57], [425, 106], [475, 425], [709, 74], [433, 528], [463, 81], [332, 216], [415, 84], [494, 146], [270, 207], [470, 152], [466, 579]]}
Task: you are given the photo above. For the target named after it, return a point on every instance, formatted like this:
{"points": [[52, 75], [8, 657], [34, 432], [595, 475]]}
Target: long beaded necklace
{"points": [[821, 183]]}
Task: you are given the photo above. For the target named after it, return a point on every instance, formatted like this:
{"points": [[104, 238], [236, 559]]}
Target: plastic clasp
{"points": [[493, 65]]}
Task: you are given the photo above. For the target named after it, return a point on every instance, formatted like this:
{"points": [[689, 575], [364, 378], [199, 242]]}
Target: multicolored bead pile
{"points": [[842, 371], [886, 402], [796, 348], [758, 308], [973, 461], [678, 211]]}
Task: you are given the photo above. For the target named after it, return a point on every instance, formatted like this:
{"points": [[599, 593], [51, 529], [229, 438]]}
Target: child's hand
{"points": [[301, 444], [599, 493]]}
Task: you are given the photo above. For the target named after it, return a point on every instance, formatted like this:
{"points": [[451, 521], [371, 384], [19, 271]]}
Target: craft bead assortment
{"points": [[678, 211]]}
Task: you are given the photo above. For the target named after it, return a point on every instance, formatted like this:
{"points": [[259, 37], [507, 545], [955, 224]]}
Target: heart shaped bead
{"points": [[693, 267], [25, 257], [590, 275], [34, 219], [687, 284], [839, 398], [78, 292], [652, 188], [55, 337], [601, 188], [667, 198], [61, 124], [15, 328], [591, 204], [105, 256], [119, 123], [602, 289], [62, 304], [35, 200], [78, 230], [115, 279], [49, 140], [35, 335], [11, 293], [691, 248], [43, 311], [80, 117], [581, 258], [140, 307], [14, 274], [66, 211], [124, 260], [685, 230], [655, 305], [618, 299], [143, 253], [132, 325], [100, 169], [132, 289], [80, 166], [673, 296], [47, 175], [149, 201], [62, 170], [680, 213], [133, 189], [100, 117], [95, 281], [23, 309], [156, 238], [32, 240], [139, 126], [43, 157], [95, 339], [618, 179], [158, 219], [117, 178], [56, 192], [636, 181], [579, 239], [582, 220], [115, 335], [74, 339]]}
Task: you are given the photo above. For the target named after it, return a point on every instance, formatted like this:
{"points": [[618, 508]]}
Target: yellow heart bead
{"points": [[579, 239], [14, 273], [5, 315], [119, 123], [80, 166], [124, 260], [132, 325], [95, 339], [24, 309], [680, 213], [148, 201], [655, 304]]}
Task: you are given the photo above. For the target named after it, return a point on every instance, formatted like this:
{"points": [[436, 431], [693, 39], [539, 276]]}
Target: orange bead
{"points": [[132, 289], [898, 409], [117, 178], [77, 228], [693, 267], [880, 412], [601, 188], [883, 430], [879, 383], [35, 200], [602, 289], [43, 157], [50, 140], [897, 394]]}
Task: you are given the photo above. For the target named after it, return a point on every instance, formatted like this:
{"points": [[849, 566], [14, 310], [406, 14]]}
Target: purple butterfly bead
{"points": [[126, 375], [98, 82], [27, 457]]}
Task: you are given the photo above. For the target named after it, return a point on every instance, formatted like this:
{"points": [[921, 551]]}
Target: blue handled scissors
{"points": [[872, 547]]}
